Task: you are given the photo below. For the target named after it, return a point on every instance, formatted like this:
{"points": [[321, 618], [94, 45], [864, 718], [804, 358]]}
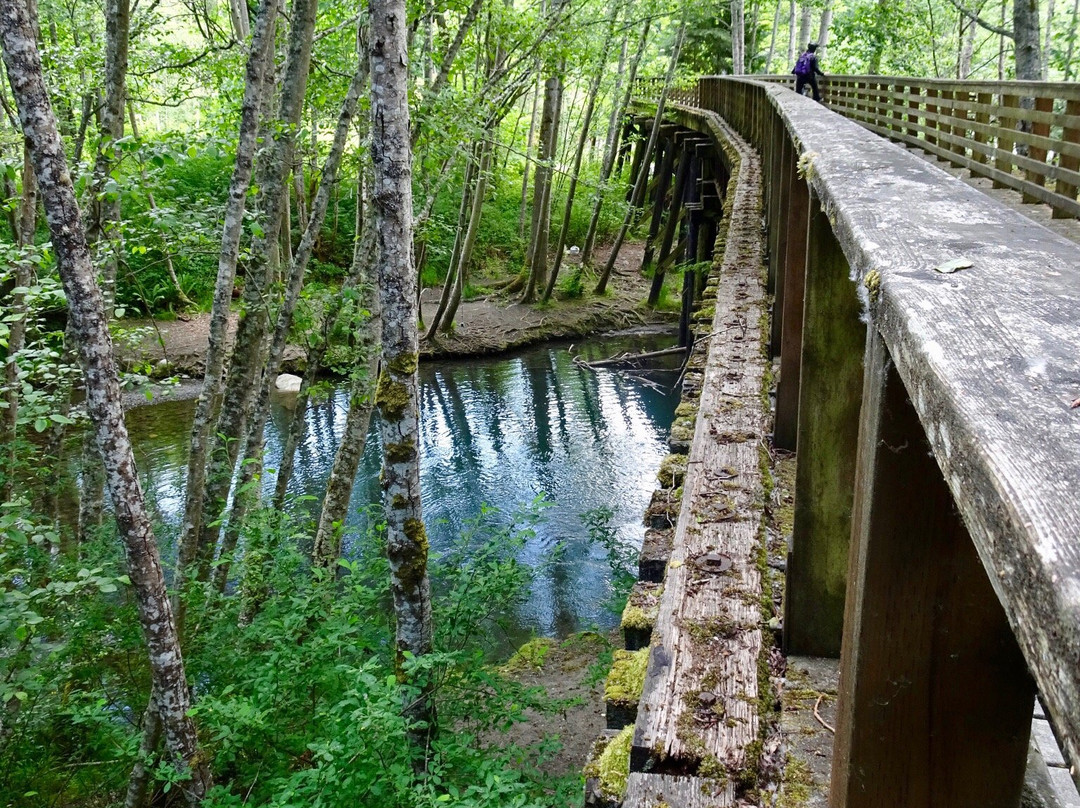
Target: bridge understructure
{"points": [[926, 351]]}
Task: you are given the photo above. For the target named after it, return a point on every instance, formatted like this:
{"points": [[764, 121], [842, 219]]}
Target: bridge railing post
{"points": [[1042, 129], [793, 219], [1071, 162], [929, 660], [830, 385], [914, 96], [1007, 120]]}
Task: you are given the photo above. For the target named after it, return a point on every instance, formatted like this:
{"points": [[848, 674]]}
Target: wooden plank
{"points": [[982, 130], [829, 398], [930, 664], [654, 790], [698, 713]]}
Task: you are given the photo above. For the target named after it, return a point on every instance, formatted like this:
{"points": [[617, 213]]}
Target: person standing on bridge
{"points": [[806, 71]]}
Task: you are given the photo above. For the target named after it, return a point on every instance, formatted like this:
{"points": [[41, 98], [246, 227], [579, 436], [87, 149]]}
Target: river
{"points": [[497, 432]]}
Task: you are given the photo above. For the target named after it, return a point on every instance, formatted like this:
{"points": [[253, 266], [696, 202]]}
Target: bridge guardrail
{"points": [[1023, 135], [936, 437]]}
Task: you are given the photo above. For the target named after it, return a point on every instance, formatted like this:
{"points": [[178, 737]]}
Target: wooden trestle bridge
{"points": [[925, 341]]}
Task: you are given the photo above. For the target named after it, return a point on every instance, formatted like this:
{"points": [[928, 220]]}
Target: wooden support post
{"points": [[784, 166], [663, 180], [935, 702], [796, 210], [693, 233], [1007, 120], [638, 163], [1042, 104], [1070, 162], [772, 184], [833, 342], [959, 128], [671, 227]]}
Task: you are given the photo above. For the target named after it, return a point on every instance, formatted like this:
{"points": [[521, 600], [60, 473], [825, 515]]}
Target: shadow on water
{"points": [[494, 432]]}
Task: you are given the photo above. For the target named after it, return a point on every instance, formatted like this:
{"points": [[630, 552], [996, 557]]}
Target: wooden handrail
{"points": [[1023, 135]]}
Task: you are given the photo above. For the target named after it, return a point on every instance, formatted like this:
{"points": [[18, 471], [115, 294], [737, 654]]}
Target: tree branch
{"points": [[974, 17]]}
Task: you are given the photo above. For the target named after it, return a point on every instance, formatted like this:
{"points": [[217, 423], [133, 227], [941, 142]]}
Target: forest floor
{"points": [[568, 671], [487, 325]]}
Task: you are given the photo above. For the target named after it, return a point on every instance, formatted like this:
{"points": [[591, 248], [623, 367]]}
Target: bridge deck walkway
{"points": [[1038, 213]]}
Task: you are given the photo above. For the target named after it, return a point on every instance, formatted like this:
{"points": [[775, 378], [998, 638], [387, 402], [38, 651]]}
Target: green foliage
{"points": [[301, 707], [621, 558]]}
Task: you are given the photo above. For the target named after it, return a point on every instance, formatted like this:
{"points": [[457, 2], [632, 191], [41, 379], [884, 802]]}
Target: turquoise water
{"points": [[497, 432]]}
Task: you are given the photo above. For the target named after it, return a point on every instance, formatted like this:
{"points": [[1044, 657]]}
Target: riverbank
{"points": [[485, 326]]}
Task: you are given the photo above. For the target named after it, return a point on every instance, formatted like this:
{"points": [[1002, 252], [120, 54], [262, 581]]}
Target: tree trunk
{"points": [[363, 258], [339, 487], [459, 242], [791, 32], [487, 149], [247, 488], [251, 347], [804, 26], [397, 399], [967, 47], [823, 28], [772, 38], [618, 112], [541, 215], [528, 150], [1074, 29], [258, 80], [241, 23], [105, 222], [1047, 42], [639, 183], [590, 105], [103, 397], [738, 37]]}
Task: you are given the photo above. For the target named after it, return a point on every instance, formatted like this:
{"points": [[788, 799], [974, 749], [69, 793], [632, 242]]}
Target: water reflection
{"points": [[496, 432]]}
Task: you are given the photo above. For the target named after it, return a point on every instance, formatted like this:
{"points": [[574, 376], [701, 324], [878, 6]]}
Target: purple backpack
{"points": [[802, 67]]}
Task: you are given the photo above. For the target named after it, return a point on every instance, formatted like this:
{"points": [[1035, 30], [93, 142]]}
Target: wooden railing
{"points": [[936, 417], [1023, 135]]}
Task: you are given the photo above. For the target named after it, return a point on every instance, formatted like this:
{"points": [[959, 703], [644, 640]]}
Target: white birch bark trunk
{"points": [[397, 398], [103, 397]]}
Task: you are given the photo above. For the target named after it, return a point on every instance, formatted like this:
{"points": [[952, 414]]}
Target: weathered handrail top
{"points": [[1059, 89], [990, 356]]}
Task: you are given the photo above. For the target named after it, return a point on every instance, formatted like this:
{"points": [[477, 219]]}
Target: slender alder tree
{"points": [[397, 397], [86, 309]]}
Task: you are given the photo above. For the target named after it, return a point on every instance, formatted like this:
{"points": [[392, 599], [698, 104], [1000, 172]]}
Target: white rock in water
{"points": [[287, 383]]}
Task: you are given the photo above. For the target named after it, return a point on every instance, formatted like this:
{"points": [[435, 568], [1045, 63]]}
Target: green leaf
{"points": [[41, 424]]}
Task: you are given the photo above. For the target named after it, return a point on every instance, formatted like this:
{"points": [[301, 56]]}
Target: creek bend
{"points": [[495, 432]]}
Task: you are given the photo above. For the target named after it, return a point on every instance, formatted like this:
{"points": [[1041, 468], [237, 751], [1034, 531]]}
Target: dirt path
{"points": [[484, 326]]}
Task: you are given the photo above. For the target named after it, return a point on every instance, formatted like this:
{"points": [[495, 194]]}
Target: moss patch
{"points": [[612, 768], [672, 471], [530, 656], [392, 398], [627, 677], [642, 608]]}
